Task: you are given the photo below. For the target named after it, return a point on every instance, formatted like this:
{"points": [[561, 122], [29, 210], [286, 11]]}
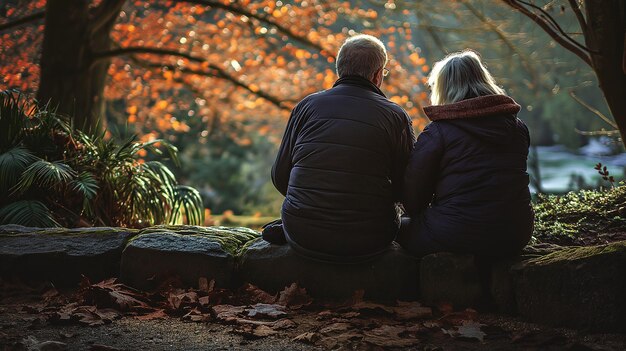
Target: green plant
{"points": [[567, 218], [604, 172], [52, 175]]}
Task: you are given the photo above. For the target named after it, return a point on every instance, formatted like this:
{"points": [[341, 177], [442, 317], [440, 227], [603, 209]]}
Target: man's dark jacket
{"points": [[466, 185], [340, 167]]}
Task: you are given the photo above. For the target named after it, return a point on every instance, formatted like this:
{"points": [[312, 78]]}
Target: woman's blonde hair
{"points": [[459, 76]]}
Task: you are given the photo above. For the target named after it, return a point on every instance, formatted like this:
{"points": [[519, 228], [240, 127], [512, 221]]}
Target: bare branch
{"points": [[550, 31], [216, 72], [264, 19], [144, 50], [496, 29], [593, 109], [555, 25], [597, 132], [575, 5], [18, 22]]}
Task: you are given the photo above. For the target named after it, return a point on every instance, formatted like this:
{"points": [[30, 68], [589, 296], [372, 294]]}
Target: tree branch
{"points": [[493, 27], [105, 12], [216, 72], [582, 54], [575, 5], [264, 19], [551, 21], [593, 109], [18, 22], [143, 50]]}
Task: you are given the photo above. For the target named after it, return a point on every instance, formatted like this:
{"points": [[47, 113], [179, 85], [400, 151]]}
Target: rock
{"points": [[189, 253], [61, 255], [450, 278], [272, 267], [580, 287], [501, 287]]}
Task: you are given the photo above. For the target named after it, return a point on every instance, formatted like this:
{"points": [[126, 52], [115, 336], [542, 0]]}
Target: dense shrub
{"points": [[52, 175]]}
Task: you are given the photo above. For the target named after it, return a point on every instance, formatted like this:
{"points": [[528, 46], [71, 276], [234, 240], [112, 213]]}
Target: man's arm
{"points": [[283, 164], [401, 157], [422, 172]]}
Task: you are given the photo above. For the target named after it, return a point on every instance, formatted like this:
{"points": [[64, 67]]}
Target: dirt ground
{"points": [[22, 329]]}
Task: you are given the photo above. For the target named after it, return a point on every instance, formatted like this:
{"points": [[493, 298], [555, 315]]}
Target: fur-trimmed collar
{"points": [[482, 106]]}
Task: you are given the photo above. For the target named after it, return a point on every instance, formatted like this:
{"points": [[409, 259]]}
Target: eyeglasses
{"points": [[385, 72]]}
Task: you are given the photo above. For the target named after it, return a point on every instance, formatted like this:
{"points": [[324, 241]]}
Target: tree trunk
{"points": [[606, 31], [72, 81]]}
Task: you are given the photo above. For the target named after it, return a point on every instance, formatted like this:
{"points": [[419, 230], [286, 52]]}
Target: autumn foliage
{"points": [[174, 63]]}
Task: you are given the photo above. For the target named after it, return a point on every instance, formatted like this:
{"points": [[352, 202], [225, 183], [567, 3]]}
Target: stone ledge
{"points": [[153, 256], [61, 255], [583, 287], [272, 267]]}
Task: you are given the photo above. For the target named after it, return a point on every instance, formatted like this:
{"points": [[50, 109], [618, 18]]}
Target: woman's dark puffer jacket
{"points": [[466, 185], [340, 166]]}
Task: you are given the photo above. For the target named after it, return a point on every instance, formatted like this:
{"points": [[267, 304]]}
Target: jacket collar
{"points": [[482, 106], [360, 82]]}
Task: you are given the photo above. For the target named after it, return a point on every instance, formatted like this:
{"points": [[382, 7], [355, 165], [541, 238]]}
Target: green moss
{"points": [[578, 253], [561, 219], [232, 240]]}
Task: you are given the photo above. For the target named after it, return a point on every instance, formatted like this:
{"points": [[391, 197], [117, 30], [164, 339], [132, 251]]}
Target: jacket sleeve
{"points": [[422, 172], [404, 145], [283, 163]]}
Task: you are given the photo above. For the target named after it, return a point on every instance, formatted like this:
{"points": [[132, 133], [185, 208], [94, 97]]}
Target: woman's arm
{"points": [[422, 172]]}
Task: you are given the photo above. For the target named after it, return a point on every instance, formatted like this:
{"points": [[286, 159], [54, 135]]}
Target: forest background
{"points": [[217, 79]]}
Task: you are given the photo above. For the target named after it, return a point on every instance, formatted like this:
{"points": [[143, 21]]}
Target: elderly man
{"points": [[342, 159]]}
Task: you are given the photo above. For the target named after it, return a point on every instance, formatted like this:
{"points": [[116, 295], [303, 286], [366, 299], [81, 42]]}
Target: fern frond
{"points": [[44, 174], [27, 213], [12, 165]]}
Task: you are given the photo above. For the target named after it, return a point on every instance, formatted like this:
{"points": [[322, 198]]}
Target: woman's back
{"points": [[466, 185]]}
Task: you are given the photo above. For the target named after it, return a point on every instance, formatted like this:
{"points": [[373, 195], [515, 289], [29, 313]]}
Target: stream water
{"points": [[562, 169]]}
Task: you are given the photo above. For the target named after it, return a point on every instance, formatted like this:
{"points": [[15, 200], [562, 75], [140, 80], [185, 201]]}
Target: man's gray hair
{"points": [[361, 55]]}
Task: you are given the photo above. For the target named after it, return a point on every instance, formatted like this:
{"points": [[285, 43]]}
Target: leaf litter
{"points": [[255, 314]]}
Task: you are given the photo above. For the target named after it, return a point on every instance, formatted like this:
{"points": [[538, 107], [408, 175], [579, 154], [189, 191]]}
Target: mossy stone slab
{"points": [[61, 255], [580, 287], [188, 254], [271, 267]]}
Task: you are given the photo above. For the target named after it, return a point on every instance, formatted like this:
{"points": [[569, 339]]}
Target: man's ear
{"points": [[378, 78]]}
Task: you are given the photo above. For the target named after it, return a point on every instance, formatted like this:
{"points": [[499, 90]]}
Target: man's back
{"points": [[340, 166]]}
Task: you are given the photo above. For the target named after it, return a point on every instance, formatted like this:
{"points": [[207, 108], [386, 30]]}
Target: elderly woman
{"points": [[466, 186]]}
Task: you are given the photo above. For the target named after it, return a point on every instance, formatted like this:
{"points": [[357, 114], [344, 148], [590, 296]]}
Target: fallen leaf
{"points": [[468, 330], [283, 324], [294, 297], [388, 336], [262, 310], [256, 295], [307, 338], [158, 314], [263, 331], [109, 293], [335, 327], [373, 308], [195, 315], [178, 300], [204, 301], [254, 331], [227, 313], [412, 310]]}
